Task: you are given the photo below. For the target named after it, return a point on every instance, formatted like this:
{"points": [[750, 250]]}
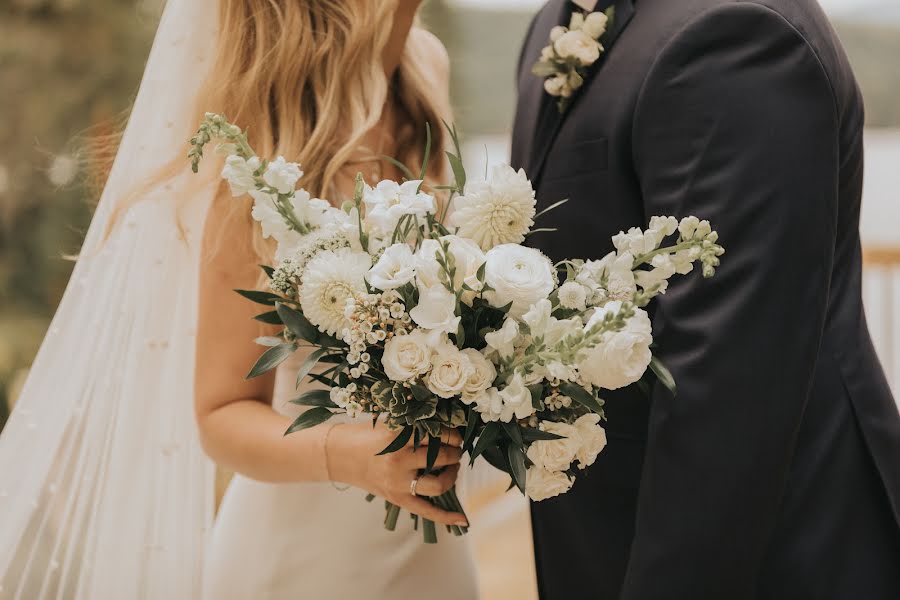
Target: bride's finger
{"points": [[435, 485], [451, 437], [427, 510]]}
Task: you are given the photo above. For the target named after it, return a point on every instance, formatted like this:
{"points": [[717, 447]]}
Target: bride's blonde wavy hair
{"points": [[305, 79]]}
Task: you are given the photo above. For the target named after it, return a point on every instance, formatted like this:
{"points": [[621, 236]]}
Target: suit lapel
{"points": [[549, 120]]}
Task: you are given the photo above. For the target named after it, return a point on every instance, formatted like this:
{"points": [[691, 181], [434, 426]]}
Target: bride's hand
{"points": [[353, 458]]}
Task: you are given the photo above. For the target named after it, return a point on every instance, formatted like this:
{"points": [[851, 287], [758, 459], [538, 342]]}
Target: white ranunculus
{"points": [[331, 278], [436, 310], [556, 455], [389, 201], [573, 295], [593, 439], [407, 357], [450, 371], [482, 376], [282, 175], [239, 174], [519, 275], [578, 45], [622, 357], [503, 340], [541, 484], [498, 211], [595, 24], [394, 269]]}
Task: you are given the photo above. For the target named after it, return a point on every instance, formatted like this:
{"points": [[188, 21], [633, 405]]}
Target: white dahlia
{"points": [[498, 211], [330, 279]]}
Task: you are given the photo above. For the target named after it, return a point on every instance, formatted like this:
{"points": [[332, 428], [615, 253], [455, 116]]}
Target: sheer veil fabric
{"points": [[104, 490]]}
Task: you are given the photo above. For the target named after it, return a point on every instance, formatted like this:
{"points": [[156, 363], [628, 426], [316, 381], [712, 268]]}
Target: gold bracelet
{"points": [[327, 468]]}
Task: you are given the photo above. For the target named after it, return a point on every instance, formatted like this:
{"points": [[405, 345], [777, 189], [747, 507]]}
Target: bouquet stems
{"points": [[448, 501]]}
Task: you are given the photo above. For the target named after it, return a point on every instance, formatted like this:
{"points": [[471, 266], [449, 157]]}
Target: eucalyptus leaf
{"points": [[664, 375], [259, 297], [269, 341], [310, 418], [297, 323], [309, 364], [269, 318], [271, 358], [315, 398], [582, 397]]}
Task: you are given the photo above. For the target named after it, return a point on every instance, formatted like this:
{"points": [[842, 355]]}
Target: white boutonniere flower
{"points": [[572, 51]]}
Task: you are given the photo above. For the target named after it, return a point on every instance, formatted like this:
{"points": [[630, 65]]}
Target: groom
{"points": [[775, 471]]}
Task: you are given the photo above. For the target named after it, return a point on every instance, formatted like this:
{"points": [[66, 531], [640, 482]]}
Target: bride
{"points": [[104, 489]]}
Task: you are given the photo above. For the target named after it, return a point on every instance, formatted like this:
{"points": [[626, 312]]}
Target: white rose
{"points": [[482, 376], [595, 24], [556, 455], [282, 175], [239, 174], [541, 484], [573, 295], [593, 439], [503, 340], [622, 357], [578, 45], [519, 275], [450, 371], [389, 201], [394, 269], [406, 357], [436, 310]]}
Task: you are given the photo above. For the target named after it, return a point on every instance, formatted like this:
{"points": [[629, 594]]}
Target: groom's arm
{"points": [[737, 123]]}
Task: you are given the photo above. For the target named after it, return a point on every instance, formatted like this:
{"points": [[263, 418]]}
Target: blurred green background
{"points": [[69, 70]]}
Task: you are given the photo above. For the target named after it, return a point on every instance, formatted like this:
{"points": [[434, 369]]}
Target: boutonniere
{"points": [[572, 50]]}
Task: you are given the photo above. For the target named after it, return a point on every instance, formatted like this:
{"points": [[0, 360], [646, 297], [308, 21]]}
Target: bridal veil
{"points": [[104, 490]]}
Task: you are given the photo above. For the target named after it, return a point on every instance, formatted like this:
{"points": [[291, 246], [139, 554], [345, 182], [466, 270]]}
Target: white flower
{"points": [[503, 340], [620, 282], [282, 175], [557, 32], [394, 269], [595, 24], [556, 455], [482, 376], [270, 220], [636, 241], [593, 439], [389, 201], [622, 357], [406, 357], [466, 255], [330, 279], [578, 45], [665, 225], [519, 275], [239, 174], [541, 484], [538, 318], [498, 211], [558, 86], [436, 310], [450, 371], [513, 401], [573, 295]]}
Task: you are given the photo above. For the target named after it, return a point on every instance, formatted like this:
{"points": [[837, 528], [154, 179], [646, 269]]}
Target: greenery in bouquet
{"points": [[432, 314]]}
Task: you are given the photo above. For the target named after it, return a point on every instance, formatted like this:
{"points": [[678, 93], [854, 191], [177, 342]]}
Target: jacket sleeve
{"points": [[736, 123]]}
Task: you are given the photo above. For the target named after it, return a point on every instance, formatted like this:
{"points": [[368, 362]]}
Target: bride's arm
{"points": [[238, 427]]}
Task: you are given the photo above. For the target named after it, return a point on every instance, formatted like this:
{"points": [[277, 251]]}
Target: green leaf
{"points": [[471, 426], [315, 398], [421, 393], [270, 359], [530, 434], [399, 442], [514, 433], [310, 418], [486, 440], [582, 397], [427, 156], [434, 447], [297, 323], [517, 462], [553, 206], [309, 364], [268, 341], [269, 271], [270, 318], [544, 69], [460, 336], [403, 168], [664, 375], [498, 459], [459, 171], [259, 297]]}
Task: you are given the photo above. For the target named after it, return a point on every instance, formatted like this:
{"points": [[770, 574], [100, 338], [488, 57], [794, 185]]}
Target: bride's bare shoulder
{"points": [[432, 50]]}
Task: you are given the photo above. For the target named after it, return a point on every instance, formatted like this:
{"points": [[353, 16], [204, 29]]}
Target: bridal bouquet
{"points": [[433, 315]]}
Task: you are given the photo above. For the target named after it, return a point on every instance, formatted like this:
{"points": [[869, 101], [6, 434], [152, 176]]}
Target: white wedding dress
{"points": [[312, 541]]}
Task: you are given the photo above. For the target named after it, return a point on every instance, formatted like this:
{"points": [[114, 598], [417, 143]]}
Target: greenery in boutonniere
{"points": [[571, 52]]}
